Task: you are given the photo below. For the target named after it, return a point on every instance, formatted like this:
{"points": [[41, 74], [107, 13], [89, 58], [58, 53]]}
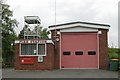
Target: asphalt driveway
{"points": [[65, 73]]}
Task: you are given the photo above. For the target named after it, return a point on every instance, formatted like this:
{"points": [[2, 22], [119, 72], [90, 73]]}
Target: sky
{"points": [[96, 11]]}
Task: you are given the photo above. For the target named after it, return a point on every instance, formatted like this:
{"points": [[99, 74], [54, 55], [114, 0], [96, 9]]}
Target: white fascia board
{"points": [[16, 41], [80, 24], [47, 41], [79, 29], [50, 41], [30, 35], [63, 26], [79, 68]]}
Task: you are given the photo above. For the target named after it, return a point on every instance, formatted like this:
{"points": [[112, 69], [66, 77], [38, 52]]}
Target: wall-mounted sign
{"points": [[30, 41], [26, 60], [33, 41]]}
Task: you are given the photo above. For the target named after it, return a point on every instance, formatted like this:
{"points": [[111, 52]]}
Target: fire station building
{"points": [[75, 45]]}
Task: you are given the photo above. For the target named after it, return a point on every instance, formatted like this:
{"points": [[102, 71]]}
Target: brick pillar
{"points": [[103, 50]]}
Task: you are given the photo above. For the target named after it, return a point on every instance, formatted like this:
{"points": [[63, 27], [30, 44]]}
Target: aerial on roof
{"points": [[79, 23]]}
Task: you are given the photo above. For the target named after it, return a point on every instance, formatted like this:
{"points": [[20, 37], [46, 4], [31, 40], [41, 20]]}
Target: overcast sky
{"points": [[96, 11]]}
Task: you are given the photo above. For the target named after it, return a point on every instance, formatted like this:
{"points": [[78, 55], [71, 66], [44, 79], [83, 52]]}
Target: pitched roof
{"points": [[79, 23]]}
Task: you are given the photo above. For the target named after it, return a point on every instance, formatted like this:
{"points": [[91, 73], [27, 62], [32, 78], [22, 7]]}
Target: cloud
{"points": [[99, 11], [75, 10]]}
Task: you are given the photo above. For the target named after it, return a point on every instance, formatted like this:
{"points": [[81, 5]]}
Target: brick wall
{"points": [[103, 49], [52, 60], [57, 50], [47, 64]]}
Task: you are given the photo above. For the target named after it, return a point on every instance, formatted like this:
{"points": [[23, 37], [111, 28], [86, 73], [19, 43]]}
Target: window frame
{"points": [[36, 49], [45, 49], [91, 54], [67, 52], [78, 54]]}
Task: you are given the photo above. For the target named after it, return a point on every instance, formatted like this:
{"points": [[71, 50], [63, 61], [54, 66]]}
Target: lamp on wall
{"points": [[99, 32], [57, 39]]}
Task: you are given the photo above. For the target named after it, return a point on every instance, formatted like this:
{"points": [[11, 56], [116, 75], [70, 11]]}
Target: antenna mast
{"points": [[55, 26]]}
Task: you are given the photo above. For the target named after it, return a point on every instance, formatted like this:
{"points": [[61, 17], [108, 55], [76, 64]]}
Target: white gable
{"points": [[79, 29], [95, 26]]}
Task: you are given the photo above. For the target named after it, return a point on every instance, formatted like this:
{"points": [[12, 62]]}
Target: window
{"points": [[66, 53], [28, 49], [41, 49], [79, 53], [33, 49], [91, 53]]}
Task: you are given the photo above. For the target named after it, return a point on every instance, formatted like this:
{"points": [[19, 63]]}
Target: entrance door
{"points": [[79, 50]]}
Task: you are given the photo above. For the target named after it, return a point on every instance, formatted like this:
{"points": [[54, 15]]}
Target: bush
{"points": [[113, 53]]}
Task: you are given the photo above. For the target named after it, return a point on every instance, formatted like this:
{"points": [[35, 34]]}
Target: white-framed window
{"points": [[33, 49], [41, 49], [28, 49]]}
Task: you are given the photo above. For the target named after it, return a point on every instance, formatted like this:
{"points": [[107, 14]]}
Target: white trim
{"points": [[45, 50], [98, 50], [30, 35], [31, 55], [60, 52], [28, 41], [80, 24], [79, 29], [20, 49], [16, 41], [79, 68], [36, 49], [50, 41], [47, 41]]}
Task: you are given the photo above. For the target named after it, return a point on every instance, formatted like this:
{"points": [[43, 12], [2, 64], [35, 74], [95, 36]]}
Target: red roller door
{"points": [[79, 50]]}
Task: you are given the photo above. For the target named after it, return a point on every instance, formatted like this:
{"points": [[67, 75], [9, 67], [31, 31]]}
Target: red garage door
{"points": [[79, 50]]}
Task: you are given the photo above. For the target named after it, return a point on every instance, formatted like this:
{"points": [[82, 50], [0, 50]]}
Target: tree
{"points": [[43, 33], [21, 35], [8, 33]]}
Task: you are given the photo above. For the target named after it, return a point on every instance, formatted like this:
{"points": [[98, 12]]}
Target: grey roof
{"points": [[79, 22]]}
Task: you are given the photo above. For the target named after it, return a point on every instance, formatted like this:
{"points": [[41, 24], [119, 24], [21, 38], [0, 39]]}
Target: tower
{"points": [[31, 27]]}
